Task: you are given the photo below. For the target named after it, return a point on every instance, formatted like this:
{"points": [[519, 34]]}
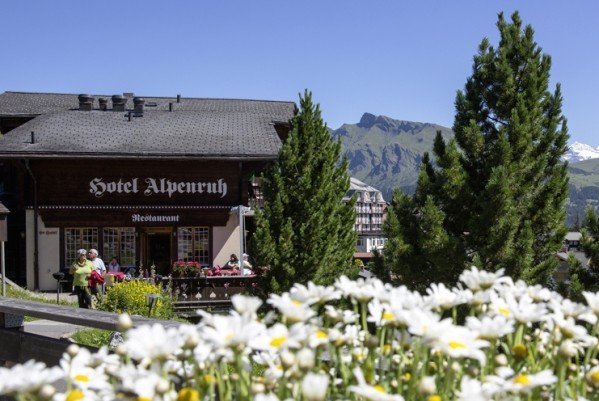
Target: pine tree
{"points": [[587, 277], [305, 230], [498, 188]]}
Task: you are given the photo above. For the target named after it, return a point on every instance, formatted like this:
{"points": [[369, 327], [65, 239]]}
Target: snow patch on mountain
{"points": [[578, 152]]}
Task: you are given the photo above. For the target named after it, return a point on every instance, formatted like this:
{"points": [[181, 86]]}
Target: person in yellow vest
{"points": [[81, 270]]}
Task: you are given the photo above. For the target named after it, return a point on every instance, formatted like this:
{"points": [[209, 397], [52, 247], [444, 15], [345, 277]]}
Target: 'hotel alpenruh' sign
{"points": [[153, 186]]}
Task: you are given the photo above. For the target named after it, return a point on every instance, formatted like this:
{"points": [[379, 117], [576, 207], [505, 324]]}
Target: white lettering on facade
{"points": [[99, 188], [138, 218]]}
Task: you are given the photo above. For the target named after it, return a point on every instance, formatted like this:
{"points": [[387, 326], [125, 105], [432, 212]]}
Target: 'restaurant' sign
{"points": [[152, 186]]}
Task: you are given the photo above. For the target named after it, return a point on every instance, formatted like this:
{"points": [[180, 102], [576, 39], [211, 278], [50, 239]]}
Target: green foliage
{"points": [[131, 297], [305, 231], [21, 293], [587, 278], [495, 196], [92, 337]]}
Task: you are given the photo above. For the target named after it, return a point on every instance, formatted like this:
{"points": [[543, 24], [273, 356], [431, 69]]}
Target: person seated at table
{"points": [[233, 262], [113, 266]]}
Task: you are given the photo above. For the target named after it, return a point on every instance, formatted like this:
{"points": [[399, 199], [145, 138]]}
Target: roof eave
{"points": [[58, 155]]}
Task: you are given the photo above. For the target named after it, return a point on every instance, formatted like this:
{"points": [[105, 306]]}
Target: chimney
{"points": [[85, 102], [178, 98], [138, 105], [118, 103], [103, 103]]}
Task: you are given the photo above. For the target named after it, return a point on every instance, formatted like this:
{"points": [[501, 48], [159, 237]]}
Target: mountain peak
{"points": [[580, 151], [367, 120]]}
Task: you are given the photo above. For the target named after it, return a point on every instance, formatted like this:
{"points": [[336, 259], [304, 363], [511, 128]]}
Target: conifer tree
{"points": [[305, 231], [586, 278], [498, 188]]}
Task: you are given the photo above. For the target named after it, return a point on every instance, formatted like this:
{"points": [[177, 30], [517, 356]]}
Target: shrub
{"points": [[131, 297]]}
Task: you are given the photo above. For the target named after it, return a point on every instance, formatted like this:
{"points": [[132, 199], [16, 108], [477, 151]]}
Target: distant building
{"points": [[572, 241], [571, 246], [371, 211]]}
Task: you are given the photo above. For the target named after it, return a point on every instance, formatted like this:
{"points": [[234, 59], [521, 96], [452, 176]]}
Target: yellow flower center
{"points": [[321, 334], [188, 394], [522, 379], [140, 398], [387, 349], [434, 397], [520, 351], [278, 341], [406, 376], [379, 388], [296, 302], [388, 316], [81, 378], [456, 345], [594, 377], [209, 379], [504, 311], [74, 395]]}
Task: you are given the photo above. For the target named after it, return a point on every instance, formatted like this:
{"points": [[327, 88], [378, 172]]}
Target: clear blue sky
{"points": [[403, 59]]}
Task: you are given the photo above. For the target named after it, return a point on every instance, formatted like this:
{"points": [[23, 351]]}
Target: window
{"points": [[119, 242], [359, 242], [78, 238], [193, 244]]}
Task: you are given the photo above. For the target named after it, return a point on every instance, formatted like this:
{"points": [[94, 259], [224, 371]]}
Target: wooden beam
{"points": [[78, 316]]}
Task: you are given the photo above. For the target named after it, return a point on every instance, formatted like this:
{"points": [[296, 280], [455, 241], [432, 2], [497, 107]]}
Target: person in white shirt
{"points": [[98, 263], [247, 266]]}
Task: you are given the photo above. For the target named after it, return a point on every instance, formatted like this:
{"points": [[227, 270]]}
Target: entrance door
{"points": [[158, 251]]}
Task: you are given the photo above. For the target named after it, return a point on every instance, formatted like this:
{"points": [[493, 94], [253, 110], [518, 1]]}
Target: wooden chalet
{"points": [[147, 180]]}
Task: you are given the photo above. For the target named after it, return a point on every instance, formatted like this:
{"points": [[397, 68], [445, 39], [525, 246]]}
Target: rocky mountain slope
{"points": [[584, 188], [386, 153]]}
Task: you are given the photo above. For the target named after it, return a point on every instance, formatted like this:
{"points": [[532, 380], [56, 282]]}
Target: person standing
{"points": [[100, 267], [98, 263], [81, 270]]}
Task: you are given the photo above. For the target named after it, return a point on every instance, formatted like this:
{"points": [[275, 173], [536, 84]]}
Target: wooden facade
{"points": [[152, 197]]}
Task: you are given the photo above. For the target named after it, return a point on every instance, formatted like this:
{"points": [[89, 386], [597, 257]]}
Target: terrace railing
{"points": [[215, 292]]}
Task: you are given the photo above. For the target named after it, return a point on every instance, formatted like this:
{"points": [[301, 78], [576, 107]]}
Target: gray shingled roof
{"points": [[196, 128]]}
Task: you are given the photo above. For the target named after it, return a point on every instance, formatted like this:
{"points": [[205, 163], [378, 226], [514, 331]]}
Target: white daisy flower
{"points": [[231, 331], [293, 310], [490, 328], [315, 386], [152, 342], [592, 300], [523, 310], [441, 298], [246, 305], [266, 397], [471, 390], [27, 378], [480, 280], [506, 381], [459, 342], [79, 372], [313, 294], [359, 290]]}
